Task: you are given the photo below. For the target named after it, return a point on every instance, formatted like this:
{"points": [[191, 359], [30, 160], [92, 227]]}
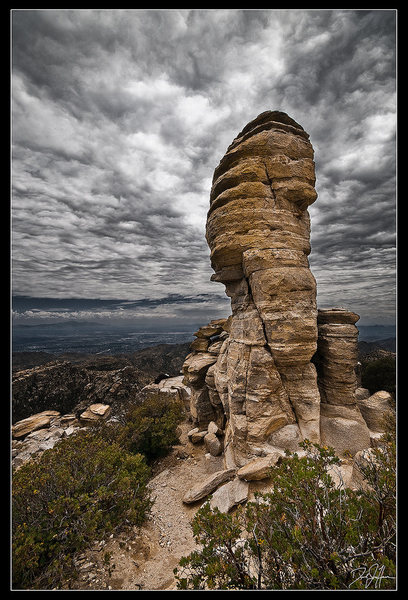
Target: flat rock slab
{"points": [[229, 495], [96, 411], [208, 485], [259, 468], [37, 421]]}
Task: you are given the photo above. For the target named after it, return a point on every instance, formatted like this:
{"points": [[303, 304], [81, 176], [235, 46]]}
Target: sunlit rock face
{"points": [[258, 231], [254, 374]]}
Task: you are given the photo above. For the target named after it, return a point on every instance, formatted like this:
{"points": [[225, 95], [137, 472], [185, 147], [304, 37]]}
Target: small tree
{"points": [[307, 533]]}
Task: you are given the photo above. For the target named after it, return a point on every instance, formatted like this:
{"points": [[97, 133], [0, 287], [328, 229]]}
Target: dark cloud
{"points": [[120, 117]]}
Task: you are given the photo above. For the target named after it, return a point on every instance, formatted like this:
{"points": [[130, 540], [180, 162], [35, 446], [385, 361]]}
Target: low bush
{"points": [[87, 486], [379, 374], [306, 533], [79, 491], [150, 428]]}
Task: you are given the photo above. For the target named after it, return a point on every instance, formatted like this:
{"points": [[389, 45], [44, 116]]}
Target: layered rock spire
{"points": [[254, 373], [258, 230]]}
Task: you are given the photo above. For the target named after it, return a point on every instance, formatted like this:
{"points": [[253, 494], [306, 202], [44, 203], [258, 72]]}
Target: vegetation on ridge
{"points": [[379, 374], [86, 487], [306, 533]]}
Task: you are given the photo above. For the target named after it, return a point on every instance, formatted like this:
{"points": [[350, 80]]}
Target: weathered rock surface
{"points": [[259, 468], [342, 425], [277, 370], [40, 432], [229, 495], [208, 485], [213, 444], [374, 408], [95, 412], [258, 231], [37, 421]]}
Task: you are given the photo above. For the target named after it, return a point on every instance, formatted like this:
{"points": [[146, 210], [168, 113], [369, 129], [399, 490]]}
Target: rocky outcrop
{"points": [[342, 425], [58, 386], [171, 387], [66, 388], [75, 382], [277, 371], [205, 403], [258, 231], [30, 424], [40, 432]]}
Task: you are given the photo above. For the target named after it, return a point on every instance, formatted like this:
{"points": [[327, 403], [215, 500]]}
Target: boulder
{"points": [[259, 468], [197, 436], [203, 488], [95, 412], [37, 421], [200, 344], [213, 428], [213, 444], [346, 436], [374, 409], [213, 328], [229, 495], [361, 394], [196, 366]]}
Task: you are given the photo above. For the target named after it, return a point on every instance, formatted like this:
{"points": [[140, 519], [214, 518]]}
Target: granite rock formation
{"points": [[205, 403], [341, 422], [277, 371], [258, 230]]}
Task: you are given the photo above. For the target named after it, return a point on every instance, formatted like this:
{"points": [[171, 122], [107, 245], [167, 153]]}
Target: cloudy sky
{"points": [[119, 118]]}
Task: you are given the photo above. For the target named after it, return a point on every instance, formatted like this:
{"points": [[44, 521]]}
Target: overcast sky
{"points": [[119, 118]]}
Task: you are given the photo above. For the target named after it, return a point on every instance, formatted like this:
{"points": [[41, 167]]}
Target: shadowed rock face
{"points": [[258, 230], [342, 425]]}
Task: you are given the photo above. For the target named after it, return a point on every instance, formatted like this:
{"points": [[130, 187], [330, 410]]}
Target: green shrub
{"points": [[307, 533], [78, 491], [150, 428], [379, 374]]}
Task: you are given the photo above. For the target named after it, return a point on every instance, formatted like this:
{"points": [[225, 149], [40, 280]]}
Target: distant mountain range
{"points": [[388, 344]]}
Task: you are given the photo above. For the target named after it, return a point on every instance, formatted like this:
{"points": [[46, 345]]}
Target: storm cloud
{"points": [[121, 116]]}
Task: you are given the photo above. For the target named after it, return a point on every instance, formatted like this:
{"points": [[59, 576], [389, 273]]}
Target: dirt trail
{"points": [[146, 558]]}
